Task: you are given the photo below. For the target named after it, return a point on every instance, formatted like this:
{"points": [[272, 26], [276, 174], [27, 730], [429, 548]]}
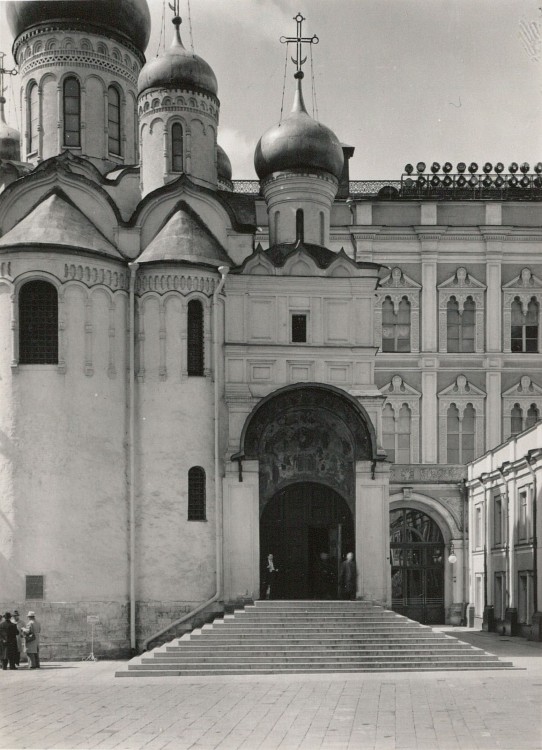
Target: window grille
{"points": [[196, 494], [72, 112], [299, 329], [396, 326], [113, 109], [524, 331], [195, 340], [177, 148], [38, 324], [34, 587]]}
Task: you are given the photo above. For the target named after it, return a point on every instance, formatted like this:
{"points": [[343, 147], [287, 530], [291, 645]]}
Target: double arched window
{"points": [[396, 326], [396, 432], [113, 121], [72, 111], [461, 434], [524, 333], [460, 325], [38, 323]]}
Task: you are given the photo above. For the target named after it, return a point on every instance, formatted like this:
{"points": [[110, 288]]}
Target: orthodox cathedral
{"points": [[196, 372]]}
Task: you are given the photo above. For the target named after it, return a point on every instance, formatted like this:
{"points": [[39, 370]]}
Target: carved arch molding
{"points": [[308, 434]]}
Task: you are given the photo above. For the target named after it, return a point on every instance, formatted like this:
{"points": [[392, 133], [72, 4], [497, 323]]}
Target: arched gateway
{"points": [[309, 454]]}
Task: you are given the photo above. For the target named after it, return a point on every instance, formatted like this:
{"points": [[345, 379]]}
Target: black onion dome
{"points": [[223, 164], [10, 139], [178, 68], [298, 142], [129, 19]]}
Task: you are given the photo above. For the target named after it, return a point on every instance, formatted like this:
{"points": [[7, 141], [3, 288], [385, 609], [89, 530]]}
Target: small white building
{"points": [[505, 499]]}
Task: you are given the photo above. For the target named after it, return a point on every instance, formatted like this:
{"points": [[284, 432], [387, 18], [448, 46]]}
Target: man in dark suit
{"points": [[8, 642]]}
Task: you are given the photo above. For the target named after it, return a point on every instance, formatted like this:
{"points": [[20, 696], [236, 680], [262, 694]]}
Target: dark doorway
{"points": [[417, 566], [308, 528]]}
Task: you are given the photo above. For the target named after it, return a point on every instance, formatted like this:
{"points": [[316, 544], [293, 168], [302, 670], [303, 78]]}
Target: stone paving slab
{"points": [[68, 705]]}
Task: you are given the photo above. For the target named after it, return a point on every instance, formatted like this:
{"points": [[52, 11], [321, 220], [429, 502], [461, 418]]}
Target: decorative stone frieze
{"points": [[398, 286], [162, 283], [428, 474], [461, 286], [91, 275]]}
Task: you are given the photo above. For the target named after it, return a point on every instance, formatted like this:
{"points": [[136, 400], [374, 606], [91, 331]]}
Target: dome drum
{"points": [[126, 20]]}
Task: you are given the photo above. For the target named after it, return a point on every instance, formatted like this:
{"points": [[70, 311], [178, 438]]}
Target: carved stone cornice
{"points": [[167, 282], [94, 275], [427, 474]]}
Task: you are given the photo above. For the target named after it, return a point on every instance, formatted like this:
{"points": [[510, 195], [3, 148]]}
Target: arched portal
{"points": [[417, 554], [307, 440], [308, 528]]}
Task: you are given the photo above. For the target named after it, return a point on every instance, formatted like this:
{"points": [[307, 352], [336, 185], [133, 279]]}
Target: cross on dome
{"points": [[299, 40]]}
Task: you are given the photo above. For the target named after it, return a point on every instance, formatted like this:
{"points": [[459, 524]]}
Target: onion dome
{"points": [[178, 68], [128, 19], [223, 164], [298, 143], [10, 139]]}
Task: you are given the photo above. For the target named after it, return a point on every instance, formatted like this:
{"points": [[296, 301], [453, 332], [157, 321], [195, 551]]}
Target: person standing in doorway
{"points": [[31, 633], [270, 575], [8, 642], [348, 577]]}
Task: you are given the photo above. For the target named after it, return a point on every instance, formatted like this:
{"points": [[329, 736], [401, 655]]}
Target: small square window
{"points": [[299, 328], [34, 587]]}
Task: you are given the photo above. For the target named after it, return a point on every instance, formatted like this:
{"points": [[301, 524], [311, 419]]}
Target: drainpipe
{"points": [[463, 491], [131, 450], [223, 270]]}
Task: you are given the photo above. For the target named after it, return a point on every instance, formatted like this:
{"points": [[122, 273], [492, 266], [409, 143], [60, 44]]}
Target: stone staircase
{"points": [[280, 637]]}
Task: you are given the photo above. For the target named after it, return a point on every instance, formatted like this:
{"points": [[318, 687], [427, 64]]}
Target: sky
{"points": [[400, 80]]}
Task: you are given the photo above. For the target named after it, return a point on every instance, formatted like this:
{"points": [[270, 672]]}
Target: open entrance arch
{"points": [[308, 528]]}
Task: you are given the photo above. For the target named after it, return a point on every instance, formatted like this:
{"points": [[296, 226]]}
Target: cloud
{"points": [[240, 151]]}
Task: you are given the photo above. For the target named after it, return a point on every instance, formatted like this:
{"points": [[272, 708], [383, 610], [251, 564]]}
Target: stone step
{"points": [[298, 637]]}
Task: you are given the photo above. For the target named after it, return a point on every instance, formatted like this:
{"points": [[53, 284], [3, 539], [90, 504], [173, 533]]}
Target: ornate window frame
{"points": [[461, 286], [397, 393], [525, 287], [397, 286], [461, 393], [524, 393]]}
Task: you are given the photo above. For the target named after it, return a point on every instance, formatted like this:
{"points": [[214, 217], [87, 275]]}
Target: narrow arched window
{"points": [[396, 326], [300, 225], [196, 494], [113, 118], [460, 434], [177, 148], [396, 429], [322, 228], [195, 340], [533, 416], [38, 324], [516, 419], [524, 332], [460, 326], [33, 118], [72, 112]]}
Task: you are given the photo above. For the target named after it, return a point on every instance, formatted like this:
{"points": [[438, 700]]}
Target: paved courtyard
{"points": [[82, 705]]}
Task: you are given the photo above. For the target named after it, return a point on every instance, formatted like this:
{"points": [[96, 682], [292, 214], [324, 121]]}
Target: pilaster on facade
{"points": [[461, 287], [524, 394], [523, 288], [429, 242], [429, 418], [461, 394], [398, 393], [493, 409], [396, 287], [494, 240]]}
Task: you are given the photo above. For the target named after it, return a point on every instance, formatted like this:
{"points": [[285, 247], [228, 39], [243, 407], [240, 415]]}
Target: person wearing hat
{"points": [[8, 642], [15, 619], [31, 633]]}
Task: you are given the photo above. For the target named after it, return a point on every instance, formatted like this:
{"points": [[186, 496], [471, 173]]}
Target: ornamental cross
{"points": [[4, 71], [299, 40]]}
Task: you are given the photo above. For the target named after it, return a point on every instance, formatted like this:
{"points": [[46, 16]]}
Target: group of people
{"points": [[325, 578], [14, 635]]}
